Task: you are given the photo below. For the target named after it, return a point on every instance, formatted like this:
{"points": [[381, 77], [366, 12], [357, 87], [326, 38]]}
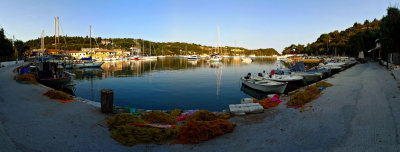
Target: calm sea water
{"points": [[172, 83]]}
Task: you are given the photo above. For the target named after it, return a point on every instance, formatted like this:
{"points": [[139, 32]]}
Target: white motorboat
{"points": [[247, 60], [89, 64], [261, 84], [284, 78], [308, 76], [148, 58], [193, 57]]}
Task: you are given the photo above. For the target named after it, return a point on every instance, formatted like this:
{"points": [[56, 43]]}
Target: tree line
{"points": [[9, 49], [156, 48], [359, 37]]}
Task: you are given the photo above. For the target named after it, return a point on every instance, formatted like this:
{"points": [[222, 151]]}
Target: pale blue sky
{"points": [[247, 23]]}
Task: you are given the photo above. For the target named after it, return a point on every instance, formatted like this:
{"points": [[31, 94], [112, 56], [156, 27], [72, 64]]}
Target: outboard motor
{"points": [[247, 76]]}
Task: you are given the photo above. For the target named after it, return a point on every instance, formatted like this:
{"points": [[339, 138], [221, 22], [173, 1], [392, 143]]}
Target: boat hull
{"points": [[278, 88], [88, 65]]}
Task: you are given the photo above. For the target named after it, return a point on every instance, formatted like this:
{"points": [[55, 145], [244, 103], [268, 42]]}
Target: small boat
{"points": [[247, 60], [215, 58], [89, 64], [309, 77], [264, 85], [193, 57], [133, 57], [284, 78], [147, 58]]}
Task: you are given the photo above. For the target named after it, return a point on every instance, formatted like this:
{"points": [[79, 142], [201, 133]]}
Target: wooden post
{"points": [[107, 100]]}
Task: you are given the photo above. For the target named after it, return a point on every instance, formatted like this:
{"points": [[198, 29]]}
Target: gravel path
{"points": [[361, 112]]}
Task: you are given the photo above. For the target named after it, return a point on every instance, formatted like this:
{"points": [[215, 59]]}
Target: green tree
{"points": [[6, 49], [390, 31]]}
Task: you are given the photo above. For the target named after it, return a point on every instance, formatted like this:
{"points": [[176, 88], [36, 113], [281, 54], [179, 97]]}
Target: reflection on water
{"points": [[170, 83]]}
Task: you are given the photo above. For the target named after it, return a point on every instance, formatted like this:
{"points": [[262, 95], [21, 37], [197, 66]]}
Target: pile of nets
{"points": [[159, 117], [323, 84], [268, 102], [202, 126], [27, 77], [302, 97], [128, 130], [176, 113], [61, 96]]}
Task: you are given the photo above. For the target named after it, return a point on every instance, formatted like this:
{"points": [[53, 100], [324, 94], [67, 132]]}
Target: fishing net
{"points": [[27, 77], [159, 117], [124, 132], [176, 113], [267, 102], [313, 89], [193, 131], [204, 115], [54, 94], [204, 125], [323, 84]]}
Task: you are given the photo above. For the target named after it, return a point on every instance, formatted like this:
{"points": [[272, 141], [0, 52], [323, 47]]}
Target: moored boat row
{"points": [[295, 76]]}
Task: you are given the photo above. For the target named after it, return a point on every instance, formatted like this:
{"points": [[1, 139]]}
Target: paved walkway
{"points": [[361, 112]]}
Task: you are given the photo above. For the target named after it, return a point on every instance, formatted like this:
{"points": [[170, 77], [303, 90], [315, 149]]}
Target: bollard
{"points": [[107, 100]]}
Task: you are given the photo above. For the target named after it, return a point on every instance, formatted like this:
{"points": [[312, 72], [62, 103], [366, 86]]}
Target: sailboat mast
{"points": [[58, 30], [218, 42], [55, 33], [90, 40]]}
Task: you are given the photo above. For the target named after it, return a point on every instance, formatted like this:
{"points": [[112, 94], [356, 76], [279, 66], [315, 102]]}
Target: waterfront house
{"points": [[51, 52], [77, 54], [37, 52]]}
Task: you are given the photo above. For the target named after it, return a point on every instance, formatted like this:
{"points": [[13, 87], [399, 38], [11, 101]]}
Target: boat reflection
{"points": [[253, 93], [139, 68]]}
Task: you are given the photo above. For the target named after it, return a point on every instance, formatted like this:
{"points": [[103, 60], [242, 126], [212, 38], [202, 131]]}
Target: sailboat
{"points": [[161, 56], [216, 57], [88, 62]]}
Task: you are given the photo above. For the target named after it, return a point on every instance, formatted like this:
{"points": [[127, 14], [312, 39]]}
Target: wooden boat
{"points": [[264, 85]]}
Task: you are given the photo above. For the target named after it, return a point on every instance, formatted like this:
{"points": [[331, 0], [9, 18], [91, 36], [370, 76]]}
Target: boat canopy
{"points": [[89, 58], [299, 66], [46, 58]]}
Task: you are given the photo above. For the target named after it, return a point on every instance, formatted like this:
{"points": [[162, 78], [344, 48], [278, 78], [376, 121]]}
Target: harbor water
{"points": [[172, 83]]}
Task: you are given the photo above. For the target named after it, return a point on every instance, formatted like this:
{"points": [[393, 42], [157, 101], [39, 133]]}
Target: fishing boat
{"points": [[215, 58], [87, 63], [52, 74], [193, 57], [261, 84], [284, 78]]}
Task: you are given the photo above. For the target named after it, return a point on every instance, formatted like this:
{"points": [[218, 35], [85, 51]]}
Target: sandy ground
{"points": [[361, 112]]}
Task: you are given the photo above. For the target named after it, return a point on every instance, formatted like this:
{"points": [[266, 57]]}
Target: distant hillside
{"points": [[169, 48], [359, 37]]}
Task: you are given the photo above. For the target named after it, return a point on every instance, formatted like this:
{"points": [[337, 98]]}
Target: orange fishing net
{"points": [[54, 94], [204, 125], [267, 102], [193, 132]]}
